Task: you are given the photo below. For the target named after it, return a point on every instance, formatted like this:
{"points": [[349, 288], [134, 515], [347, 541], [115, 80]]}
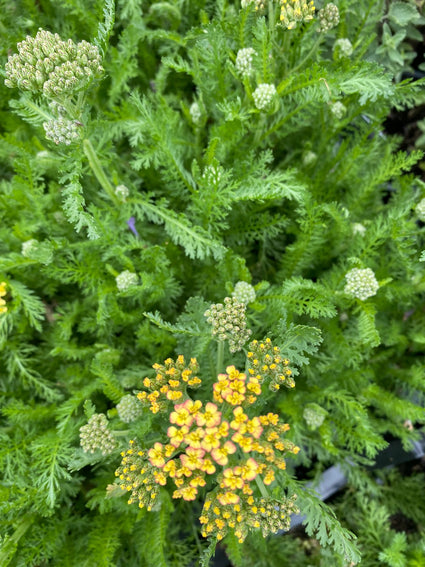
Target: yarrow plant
{"points": [[154, 156]]}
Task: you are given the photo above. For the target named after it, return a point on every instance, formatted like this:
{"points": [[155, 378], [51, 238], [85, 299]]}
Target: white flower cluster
{"points": [[244, 59], [309, 158], [264, 95], [129, 408], [358, 228], [361, 283], [47, 64], [314, 415], [420, 210], [96, 435], [126, 279], [328, 17], [343, 47], [244, 293], [338, 110], [28, 247], [122, 192], [229, 322], [212, 174], [195, 113], [61, 131]]}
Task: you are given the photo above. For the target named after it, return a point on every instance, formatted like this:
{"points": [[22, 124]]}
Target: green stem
{"points": [[121, 433], [261, 486], [98, 170], [309, 54], [8, 548], [220, 356]]}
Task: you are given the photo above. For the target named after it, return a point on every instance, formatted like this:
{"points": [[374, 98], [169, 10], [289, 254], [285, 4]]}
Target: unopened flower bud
{"points": [[126, 279], [96, 435], [328, 17], [361, 283], [264, 95]]}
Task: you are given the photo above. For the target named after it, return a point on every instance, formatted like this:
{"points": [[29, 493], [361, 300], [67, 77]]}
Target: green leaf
{"points": [[195, 240], [321, 523], [403, 13]]}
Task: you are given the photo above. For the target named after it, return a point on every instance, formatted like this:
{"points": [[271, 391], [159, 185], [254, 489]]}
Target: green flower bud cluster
{"points": [[343, 47], [264, 95], [54, 67], [294, 11], [212, 174], [61, 131], [361, 283], [129, 408], [244, 292], [338, 110], [229, 322], [96, 435], [28, 247], [314, 415], [126, 279], [358, 228], [122, 192], [328, 17], [244, 59], [420, 210], [195, 113], [309, 158]]}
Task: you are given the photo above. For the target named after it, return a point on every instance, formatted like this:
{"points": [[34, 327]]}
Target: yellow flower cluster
{"points": [[294, 11], [265, 362], [268, 514], [241, 454], [3, 292], [234, 388], [169, 385]]}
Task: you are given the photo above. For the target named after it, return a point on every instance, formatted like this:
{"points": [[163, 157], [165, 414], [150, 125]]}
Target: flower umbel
{"points": [[244, 59], [126, 279], [61, 131], [229, 322], [328, 17], [47, 64], [264, 95], [295, 11], [361, 283], [244, 292], [170, 383], [129, 408], [96, 435], [210, 444], [266, 363]]}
